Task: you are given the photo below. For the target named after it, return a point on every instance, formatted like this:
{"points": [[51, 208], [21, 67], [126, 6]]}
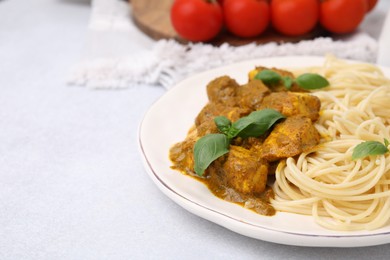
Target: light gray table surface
{"points": [[72, 184]]}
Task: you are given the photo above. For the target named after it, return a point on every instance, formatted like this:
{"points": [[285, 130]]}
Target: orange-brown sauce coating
{"points": [[241, 175]]}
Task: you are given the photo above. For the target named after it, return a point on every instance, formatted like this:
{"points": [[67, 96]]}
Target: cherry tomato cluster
{"points": [[202, 20]]}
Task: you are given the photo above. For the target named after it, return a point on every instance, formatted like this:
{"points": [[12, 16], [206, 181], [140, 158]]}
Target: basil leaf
{"points": [[269, 77], [223, 124], [368, 148], [287, 81], [207, 149], [255, 124], [386, 142], [311, 81]]}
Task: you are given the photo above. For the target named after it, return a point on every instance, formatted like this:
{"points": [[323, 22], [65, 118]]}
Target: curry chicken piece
{"points": [[226, 91], [236, 178], [182, 154], [290, 104], [289, 138], [244, 171], [251, 94], [223, 90], [204, 121]]}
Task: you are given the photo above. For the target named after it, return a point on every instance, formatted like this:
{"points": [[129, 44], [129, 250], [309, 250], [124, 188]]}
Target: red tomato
{"points": [[342, 16], [371, 4], [246, 18], [294, 17], [197, 20]]}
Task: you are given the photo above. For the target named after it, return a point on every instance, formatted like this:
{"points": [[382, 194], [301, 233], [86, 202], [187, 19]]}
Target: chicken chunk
{"points": [[223, 90], [251, 94], [245, 172], [204, 122], [290, 104], [182, 154], [289, 138]]}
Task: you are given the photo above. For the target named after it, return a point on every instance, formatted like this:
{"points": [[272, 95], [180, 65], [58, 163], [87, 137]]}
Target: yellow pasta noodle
{"points": [[341, 193]]}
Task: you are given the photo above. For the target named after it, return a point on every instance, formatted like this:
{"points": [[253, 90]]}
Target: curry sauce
{"points": [[241, 175]]}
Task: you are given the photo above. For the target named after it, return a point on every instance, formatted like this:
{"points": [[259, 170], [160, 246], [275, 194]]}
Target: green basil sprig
{"points": [[370, 148], [209, 148], [287, 82], [223, 124], [311, 81], [269, 77], [212, 146], [255, 124], [308, 81]]}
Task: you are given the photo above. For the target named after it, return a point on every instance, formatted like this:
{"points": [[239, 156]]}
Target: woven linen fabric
{"points": [[118, 55]]}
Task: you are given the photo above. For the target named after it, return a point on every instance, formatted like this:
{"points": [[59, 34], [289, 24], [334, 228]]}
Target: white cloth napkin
{"points": [[118, 55]]}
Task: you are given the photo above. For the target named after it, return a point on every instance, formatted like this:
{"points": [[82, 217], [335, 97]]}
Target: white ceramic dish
{"points": [[168, 121]]}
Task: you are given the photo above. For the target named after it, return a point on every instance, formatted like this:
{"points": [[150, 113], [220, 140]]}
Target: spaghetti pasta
{"points": [[341, 193]]}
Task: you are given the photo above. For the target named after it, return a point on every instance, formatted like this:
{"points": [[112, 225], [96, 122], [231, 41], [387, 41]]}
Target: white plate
{"points": [[168, 121]]}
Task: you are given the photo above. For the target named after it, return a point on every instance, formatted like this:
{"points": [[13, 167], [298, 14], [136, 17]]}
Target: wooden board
{"points": [[153, 18]]}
